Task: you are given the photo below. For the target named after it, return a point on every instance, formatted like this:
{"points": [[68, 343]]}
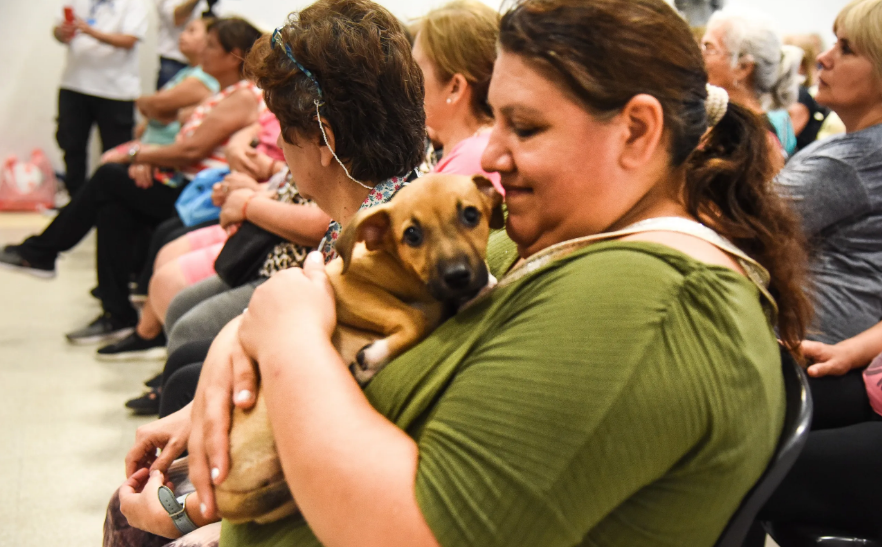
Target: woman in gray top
{"points": [[836, 186]]}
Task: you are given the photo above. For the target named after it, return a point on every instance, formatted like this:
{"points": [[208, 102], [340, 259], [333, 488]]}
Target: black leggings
{"points": [[181, 376], [835, 482]]}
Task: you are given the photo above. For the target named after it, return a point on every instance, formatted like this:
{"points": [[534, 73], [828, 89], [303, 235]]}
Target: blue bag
{"points": [[194, 204]]}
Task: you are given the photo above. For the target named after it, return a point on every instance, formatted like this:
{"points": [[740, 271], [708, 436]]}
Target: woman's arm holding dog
{"points": [[351, 471]]}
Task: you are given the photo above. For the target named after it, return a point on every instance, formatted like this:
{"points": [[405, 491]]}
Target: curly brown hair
{"points": [[370, 88], [603, 53]]}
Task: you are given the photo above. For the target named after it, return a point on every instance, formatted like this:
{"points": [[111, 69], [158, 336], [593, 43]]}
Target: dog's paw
{"points": [[369, 360]]}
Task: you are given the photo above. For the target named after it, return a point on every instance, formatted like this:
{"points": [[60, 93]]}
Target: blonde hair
{"points": [[460, 38], [862, 22]]}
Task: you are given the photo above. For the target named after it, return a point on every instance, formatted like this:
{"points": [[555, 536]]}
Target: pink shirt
{"points": [[465, 159], [873, 381]]}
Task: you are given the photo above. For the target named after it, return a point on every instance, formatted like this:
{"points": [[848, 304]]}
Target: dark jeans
{"points": [[77, 113], [835, 482], [120, 211], [181, 375], [168, 68]]}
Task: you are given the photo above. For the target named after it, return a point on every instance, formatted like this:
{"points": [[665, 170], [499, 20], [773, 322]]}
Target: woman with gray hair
{"points": [[744, 55]]}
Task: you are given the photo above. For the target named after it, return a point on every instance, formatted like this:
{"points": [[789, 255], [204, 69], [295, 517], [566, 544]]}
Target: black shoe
{"points": [[96, 292], [103, 329], [156, 381], [145, 405], [133, 347], [11, 258]]}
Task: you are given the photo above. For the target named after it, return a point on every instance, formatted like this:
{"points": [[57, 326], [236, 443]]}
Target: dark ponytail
{"points": [[729, 186]]}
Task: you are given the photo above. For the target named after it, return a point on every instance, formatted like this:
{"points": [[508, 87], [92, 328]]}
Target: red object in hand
{"points": [[68, 14]]}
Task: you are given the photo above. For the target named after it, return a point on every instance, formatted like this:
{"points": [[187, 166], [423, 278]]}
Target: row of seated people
{"points": [[614, 369]]}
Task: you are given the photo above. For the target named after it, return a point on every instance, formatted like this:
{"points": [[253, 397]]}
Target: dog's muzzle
{"points": [[458, 280]]}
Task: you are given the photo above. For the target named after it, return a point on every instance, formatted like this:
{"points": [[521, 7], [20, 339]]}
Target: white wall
{"points": [[31, 63]]}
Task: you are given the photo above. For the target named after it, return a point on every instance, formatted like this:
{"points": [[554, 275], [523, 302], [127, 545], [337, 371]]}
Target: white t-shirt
{"points": [[167, 42], [99, 69]]}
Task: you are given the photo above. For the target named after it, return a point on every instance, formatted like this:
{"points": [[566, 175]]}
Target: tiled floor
{"points": [[63, 429]]}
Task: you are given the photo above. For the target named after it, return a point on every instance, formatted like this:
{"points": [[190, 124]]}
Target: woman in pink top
{"points": [[455, 46]]}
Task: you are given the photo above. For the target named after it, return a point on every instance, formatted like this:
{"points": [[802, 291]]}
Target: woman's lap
{"points": [[200, 311]]}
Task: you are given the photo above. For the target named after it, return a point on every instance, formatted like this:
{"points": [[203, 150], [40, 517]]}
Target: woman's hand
{"points": [[233, 181], [225, 372], [168, 435], [233, 209], [292, 298], [139, 503], [142, 174], [830, 360]]}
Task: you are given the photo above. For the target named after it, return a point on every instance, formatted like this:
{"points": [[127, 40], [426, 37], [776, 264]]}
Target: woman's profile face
{"points": [[717, 58], [193, 38], [217, 61], [559, 165], [435, 99], [846, 79]]}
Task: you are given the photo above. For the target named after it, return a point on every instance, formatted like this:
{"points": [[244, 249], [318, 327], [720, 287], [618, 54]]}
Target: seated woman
{"points": [[455, 46], [137, 190], [616, 388], [189, 87], [836, 187], [745, 56]]}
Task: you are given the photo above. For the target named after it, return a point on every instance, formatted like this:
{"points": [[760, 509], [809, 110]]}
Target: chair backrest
{"points": [[797, 422]]}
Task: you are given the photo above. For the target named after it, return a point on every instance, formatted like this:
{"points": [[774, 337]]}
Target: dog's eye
{"points": [[413, 236], [470, 216]]}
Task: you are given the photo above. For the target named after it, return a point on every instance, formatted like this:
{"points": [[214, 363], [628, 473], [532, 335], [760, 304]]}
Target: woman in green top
{"points": [[623, 393]]}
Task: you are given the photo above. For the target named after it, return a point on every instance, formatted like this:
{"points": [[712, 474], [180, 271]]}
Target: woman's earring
{"points": [[449, 100]]}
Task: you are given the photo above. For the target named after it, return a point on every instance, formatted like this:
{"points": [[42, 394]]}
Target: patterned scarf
{"points": [[379, 195]]}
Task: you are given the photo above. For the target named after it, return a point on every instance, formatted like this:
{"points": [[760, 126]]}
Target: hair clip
{"points": [[276, 41]]}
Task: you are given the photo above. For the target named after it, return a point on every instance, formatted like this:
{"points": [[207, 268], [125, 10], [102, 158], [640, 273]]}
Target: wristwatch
{"points": [[176, 509], [133, 152]]}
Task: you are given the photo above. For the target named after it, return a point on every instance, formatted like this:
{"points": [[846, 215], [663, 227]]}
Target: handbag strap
{"points": [[753, 270]]}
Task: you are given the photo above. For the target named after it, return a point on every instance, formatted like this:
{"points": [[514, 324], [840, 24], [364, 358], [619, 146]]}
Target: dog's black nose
{"points": [[457, 277]]}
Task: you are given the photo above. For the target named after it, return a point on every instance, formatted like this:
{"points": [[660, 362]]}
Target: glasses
{"points": [[708, 48], [277, 40]]}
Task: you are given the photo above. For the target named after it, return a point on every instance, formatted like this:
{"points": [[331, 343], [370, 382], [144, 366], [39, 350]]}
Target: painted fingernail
{"points": [[242, 396], [203, 510], [316, 258], [215, 473]]}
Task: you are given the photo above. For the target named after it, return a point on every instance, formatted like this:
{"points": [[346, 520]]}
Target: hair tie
{"points": [[716, 104]]}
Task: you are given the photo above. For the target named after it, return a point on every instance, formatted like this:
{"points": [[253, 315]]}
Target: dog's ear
{"points": [[497, 219], [370, 226]]}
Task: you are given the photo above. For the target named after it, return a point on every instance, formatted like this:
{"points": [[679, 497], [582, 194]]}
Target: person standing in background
{"points": [[100, 80], [174, 15]]}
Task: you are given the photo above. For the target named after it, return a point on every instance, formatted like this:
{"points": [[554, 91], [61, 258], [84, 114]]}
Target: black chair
{"points": [[799, 535], [797, 422]]}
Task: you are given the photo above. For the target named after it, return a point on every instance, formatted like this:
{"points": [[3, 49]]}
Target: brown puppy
{"points": [[403, 267]]}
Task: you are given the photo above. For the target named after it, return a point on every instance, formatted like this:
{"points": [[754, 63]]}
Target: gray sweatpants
{"points": [[201, 310]]}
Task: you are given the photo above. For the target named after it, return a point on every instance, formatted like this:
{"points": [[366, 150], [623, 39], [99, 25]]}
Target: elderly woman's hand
{"points": [[158, 443], [293, 298], [139, 503], [233, 210], [233, 181], [228, 377]]}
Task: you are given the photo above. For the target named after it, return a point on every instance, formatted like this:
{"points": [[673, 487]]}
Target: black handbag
{"points": [[244, 254]]}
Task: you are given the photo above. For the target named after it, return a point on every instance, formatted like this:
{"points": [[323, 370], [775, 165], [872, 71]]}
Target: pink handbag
{"points": [[27, 185]]}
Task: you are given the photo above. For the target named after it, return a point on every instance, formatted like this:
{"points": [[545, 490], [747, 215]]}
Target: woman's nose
{"points": [[824, 59], [496, 156]]}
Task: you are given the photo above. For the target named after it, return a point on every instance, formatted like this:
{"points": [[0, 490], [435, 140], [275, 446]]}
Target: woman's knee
{"points": [[172, 250]]}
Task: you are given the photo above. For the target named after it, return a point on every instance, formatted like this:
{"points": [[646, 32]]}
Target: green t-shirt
{"points": [[625, 395]]}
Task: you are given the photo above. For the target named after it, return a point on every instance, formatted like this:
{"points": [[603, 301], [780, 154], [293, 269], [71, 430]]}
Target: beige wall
{"points": [[31, 61]]}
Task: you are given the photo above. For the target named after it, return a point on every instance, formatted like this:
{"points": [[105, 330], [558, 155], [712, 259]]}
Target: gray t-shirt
{"points": [[836, 187]]}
